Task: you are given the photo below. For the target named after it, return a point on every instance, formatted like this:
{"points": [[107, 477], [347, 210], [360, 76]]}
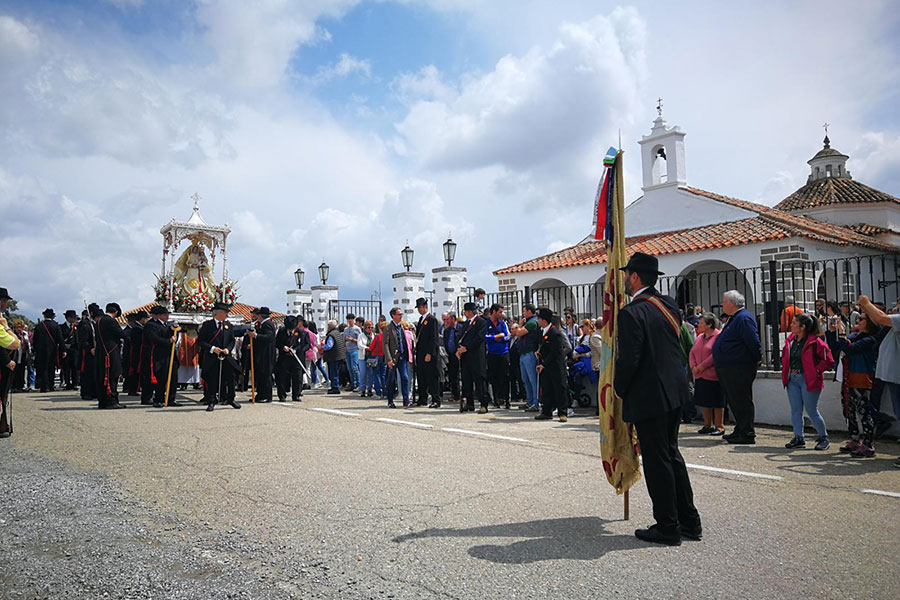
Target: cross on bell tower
{"points": [[659, 106]]}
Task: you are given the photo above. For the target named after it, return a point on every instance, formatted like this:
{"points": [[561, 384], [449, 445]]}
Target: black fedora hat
{"points": [[70, 314], [49, 314], [470, 306], [113, 307], [159, 310], [4, 295], [642, 263], [264, 311], [545, 314], [221, 306], [141, 314], [421, 302]]}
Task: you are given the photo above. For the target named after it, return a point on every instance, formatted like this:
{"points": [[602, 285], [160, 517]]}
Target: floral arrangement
{"points": [[226, 291], [196, 302], [161, 289]]}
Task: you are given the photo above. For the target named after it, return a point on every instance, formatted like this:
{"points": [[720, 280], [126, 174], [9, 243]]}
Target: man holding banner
{"points": [[651, 380]]}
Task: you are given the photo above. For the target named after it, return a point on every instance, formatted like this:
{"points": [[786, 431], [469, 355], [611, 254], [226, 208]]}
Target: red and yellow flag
{"points": [[618, 443]]}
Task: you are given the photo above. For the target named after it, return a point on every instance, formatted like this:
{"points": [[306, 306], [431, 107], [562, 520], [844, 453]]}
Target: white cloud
{"points": [[345, 66], [533, 109]]}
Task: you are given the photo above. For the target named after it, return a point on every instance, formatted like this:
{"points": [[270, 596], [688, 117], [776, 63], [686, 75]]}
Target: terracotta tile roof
{"points": [[770, 224], [869, 229], [238, 308], [833, 190]]}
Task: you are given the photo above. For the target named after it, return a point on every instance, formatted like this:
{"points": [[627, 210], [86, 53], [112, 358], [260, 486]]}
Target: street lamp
{"points": [[449, 251], [323, 272], [298, 277], [407, 255]]}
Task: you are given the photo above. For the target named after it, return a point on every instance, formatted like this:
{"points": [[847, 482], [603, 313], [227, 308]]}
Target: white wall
{"points": [[883, 215], [671, 209]]}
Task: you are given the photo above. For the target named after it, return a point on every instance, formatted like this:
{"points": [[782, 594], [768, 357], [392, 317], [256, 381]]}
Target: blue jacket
{"points": [[500, 346], [738, 344], [860, 347]]}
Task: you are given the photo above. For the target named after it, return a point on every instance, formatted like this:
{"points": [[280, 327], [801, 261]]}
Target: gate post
{"points": [[774, 320]]}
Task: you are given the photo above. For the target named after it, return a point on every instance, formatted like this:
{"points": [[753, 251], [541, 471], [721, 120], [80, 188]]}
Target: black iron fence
{"points": [[805, 281], [367, 309]]}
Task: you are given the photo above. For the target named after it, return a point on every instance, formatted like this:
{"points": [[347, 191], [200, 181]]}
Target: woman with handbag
{"points": [[804, 360], [859, 350]]}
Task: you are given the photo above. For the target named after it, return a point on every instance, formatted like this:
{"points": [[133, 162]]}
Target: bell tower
{"points": [[662, 155]]}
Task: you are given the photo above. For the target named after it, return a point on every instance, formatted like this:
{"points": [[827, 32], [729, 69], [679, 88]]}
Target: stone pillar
{"points": [[449, 284], [321, 296], [297, 301], [407, 287]]}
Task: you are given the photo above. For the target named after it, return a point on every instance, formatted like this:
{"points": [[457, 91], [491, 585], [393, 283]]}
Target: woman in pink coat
{"points": [[707, 391], [804, 360]]}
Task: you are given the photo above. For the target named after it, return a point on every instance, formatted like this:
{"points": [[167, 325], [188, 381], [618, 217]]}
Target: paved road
{"points": [[339, 497]]}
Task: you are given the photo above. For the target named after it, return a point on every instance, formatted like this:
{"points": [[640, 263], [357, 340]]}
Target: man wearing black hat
{"points": [[109, 357], [650, 379], [263, 354], [87, 349], [472, 360], [552, 376], [158, 339], [135, 342], [70, 347], [217, 363], [291, 343], [47, 342], [427, 356]]}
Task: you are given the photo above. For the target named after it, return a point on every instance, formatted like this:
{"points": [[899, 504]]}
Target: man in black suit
{"points": [[427, 356], [86, 336], [47, 342], [135, 352], [109, 357], [217, 364], [552, 375], [70, 347], [472, 360], [652, 383], [158, 339], [291, 342], [263, 354]]}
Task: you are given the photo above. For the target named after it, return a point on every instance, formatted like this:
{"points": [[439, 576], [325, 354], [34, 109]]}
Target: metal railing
{"points": [[367, 309]]}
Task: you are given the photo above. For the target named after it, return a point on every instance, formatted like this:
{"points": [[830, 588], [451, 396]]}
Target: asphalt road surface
{"points": [[340, 497]]}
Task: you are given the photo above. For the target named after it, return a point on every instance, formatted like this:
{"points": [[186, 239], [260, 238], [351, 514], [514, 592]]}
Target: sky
{"points": [[342, 130]]}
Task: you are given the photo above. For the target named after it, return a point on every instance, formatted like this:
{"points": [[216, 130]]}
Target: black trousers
{"points": [[211, 390], [45, 373], [498, 376], [453, 376], [737, 383], [554, 393], [427, 379], [263, 381], [146, 384], [88, 375], [665, 472], [473, 384], [6, 377], [287, 377], [109, 367]]}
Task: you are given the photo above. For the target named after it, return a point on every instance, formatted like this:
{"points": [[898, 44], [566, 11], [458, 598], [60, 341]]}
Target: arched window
{"points": [[660, 170], [827, 170]]}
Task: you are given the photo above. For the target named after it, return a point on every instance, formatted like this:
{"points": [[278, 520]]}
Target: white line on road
{"points": [[734, 472], [333, 411], [487, 435], [881, 493], [399, 422]]}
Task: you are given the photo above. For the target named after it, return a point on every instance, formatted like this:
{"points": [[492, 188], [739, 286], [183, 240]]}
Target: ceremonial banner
{"points": [[618, 443]]}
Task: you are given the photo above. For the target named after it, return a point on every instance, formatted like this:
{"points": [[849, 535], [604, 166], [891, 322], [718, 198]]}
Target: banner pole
{"points": [[627, 516], [171, 363]]}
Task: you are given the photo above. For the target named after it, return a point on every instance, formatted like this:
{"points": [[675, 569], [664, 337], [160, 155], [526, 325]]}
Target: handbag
{"points": [[372, 362]]}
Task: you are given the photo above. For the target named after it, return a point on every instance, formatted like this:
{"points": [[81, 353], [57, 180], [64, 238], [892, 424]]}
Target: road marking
{"points": [[881, 493], [734, 472], [487, 435], [399, 422], [333, 411]]}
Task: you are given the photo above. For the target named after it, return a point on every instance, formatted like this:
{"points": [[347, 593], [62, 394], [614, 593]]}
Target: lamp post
{"points": [[449, 251], [323, 272], [298, 277], [407, 255]]}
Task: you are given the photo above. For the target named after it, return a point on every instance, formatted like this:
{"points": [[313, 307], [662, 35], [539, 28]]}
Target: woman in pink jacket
{"points": [[804, 360], [707, 391]]}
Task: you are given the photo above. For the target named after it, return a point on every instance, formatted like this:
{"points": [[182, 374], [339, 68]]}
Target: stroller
{"points": [[582, 379]]}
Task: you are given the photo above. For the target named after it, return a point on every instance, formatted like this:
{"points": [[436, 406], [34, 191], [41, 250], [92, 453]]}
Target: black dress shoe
{"points": [[692, 533], [5, 434], [434, 405], [176, 404], [655, 536], [543, 417], [157, 405], [391, 405], [210, 407], [743, 439], [234, 404]]}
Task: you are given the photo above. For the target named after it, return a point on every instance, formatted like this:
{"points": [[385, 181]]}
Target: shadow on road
{"points": [[811, 462], [576, 538]]}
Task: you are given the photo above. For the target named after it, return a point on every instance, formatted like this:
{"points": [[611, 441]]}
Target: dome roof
{"points": [[828, 191]]}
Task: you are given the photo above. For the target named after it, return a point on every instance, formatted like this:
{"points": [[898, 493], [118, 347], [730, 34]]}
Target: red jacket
{"points": [[375, 348], [815, 357]]}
